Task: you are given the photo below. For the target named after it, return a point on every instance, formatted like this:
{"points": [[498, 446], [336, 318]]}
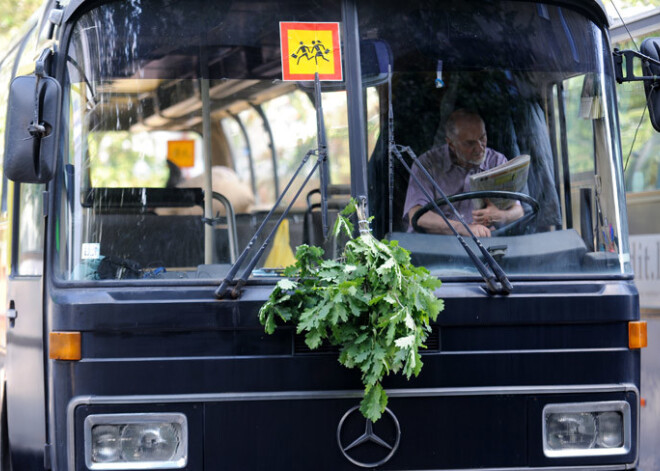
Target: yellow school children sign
{"points": [[308, 48]]}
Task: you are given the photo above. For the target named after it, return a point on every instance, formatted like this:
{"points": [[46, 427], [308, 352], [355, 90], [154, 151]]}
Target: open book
{"points": [[510, 176]]}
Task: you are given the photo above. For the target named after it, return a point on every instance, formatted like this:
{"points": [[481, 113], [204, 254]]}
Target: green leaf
{"points": [[269, 323], [374, 402], [286, 285], [385, 267], [405, 342], [313, 339]]}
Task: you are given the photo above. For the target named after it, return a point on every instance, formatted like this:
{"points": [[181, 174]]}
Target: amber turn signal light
{"points": [[64, 346], [637, 334]]}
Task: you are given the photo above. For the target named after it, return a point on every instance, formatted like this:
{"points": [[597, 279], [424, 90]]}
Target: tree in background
{"points": [[13, 13]]}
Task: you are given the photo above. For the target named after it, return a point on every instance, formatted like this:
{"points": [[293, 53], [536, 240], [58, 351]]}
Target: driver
{"points": [[451, 165]]}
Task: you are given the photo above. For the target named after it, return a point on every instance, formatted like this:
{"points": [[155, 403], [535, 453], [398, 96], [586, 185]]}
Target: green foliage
{"points": [[123, 159], [373, 303], [14, 14]]}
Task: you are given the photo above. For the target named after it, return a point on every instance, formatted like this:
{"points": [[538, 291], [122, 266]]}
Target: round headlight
{"points": [[571, 431], [610, 429], [106, 445], [150, 442]]}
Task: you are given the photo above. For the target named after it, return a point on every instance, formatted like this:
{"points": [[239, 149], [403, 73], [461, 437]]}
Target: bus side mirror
{"points": [[33, 117], [651, 48]]}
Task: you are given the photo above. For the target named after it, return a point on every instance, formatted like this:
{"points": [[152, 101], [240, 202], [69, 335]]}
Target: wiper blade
{"points": [[321, 163], [496, 280]]}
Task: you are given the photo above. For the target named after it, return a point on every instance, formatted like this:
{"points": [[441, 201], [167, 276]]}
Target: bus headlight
{"points": [[136, 441], [586, 429]]}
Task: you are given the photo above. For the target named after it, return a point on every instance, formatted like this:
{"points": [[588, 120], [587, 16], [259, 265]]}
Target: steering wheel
{"points": [[518, 227]]}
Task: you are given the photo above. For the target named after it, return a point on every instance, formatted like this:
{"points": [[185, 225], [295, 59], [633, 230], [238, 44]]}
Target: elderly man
{"points": [[451, 165]]}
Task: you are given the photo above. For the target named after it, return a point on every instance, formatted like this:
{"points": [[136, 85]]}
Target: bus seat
{"points": [[154, 241], [128, 223]]}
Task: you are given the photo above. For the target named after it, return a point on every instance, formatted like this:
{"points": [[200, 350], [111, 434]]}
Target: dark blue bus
{"points": [[149, 144]]}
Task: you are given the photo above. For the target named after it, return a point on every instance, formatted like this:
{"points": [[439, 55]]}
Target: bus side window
{"points": [[5, 77], [30, 229]]}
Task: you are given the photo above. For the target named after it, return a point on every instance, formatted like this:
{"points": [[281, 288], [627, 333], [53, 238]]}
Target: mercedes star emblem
{"points": [[365, 446]]}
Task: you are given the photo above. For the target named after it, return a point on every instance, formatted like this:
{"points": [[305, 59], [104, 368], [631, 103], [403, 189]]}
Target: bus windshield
{"points": [[183, 133]]}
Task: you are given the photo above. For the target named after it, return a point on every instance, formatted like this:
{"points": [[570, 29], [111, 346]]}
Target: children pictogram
{"points": [[310, 48], [301, 52], [319, 50]]}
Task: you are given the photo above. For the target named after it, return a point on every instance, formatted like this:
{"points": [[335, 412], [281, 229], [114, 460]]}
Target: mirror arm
{"points": [[630, 74], [40, 65], [38, 129]]}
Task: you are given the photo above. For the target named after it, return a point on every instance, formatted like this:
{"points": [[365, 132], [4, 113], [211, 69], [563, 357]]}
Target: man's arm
{"points": [[434, 223]]}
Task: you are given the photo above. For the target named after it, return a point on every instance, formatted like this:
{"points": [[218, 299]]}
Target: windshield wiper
{"points": [[321, 163], [496, 280]]}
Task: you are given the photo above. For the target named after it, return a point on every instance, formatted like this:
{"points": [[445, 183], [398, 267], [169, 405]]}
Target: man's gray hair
{"points": [[459, 116]]}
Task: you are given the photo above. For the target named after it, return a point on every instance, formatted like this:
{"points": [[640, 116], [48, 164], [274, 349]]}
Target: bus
{"points": [[162, 160]]}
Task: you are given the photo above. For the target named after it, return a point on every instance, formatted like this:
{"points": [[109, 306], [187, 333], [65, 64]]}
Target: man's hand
{"points": [[433, 223], [478, 230], [492, 216]]}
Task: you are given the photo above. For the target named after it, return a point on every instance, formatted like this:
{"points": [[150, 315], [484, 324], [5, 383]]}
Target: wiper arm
{"points": [[92, 98], [491, 276], [321, 162], [324, 171], [229, 279]]}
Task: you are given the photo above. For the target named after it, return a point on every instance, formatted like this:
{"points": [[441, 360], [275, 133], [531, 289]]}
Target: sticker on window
{"points": [[91, 251], [181, 152], [308, 48]]}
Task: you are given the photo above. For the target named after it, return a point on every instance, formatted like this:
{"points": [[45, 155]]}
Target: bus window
{"points": [[579, 128], [302, 134], [31, 230], [123, 159], [292, 119], [373, 122], [121, 219], [260, 129], [241, 151], [572, 228], [261, 155], [6, 68]]}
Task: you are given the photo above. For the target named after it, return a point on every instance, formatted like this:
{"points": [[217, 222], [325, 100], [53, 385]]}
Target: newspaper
{"points": [[510, 176]]}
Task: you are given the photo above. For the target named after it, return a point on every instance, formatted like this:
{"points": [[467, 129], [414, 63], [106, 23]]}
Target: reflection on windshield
{"points": [[155, 190]]}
